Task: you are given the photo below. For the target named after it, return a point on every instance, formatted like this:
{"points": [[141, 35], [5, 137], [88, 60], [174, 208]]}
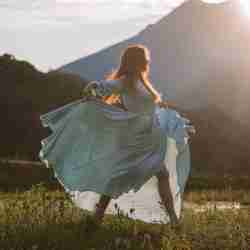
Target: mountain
{"points": [[25, 94], [198, 50], [200, 60]]}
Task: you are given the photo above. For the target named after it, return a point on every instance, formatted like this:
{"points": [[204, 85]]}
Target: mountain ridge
{"points": [[188, 46], [199, 61]]}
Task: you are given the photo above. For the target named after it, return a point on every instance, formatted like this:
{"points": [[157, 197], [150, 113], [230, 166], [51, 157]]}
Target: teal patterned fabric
{"points": [[98, 147]]}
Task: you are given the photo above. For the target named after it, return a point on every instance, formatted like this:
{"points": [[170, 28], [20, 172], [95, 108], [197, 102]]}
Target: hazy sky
{"points": [[50, 33]]}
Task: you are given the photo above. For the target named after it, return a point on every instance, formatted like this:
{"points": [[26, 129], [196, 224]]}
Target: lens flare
{"points": [[245, 4]]}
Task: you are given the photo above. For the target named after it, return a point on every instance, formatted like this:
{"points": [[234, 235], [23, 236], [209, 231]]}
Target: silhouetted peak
{"points": [[195, 11]]}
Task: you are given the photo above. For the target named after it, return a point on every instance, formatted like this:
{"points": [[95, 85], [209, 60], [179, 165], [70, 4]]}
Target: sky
{"points": [[51, 33]]}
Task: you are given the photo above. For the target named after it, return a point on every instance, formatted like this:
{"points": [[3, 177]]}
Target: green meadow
{"points": [[42, 219]]}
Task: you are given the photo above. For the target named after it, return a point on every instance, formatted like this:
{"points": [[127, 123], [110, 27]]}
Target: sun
{"points": [[245, 4]]}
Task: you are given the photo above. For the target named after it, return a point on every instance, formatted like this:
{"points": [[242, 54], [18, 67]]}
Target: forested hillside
{"points": [[25, 94]]}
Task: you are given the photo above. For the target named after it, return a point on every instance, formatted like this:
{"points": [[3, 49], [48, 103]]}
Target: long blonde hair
{"points": [[134, 65]]}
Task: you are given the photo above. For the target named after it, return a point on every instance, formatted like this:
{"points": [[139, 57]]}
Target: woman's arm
{"points": [[156, 95], [102, 88]]}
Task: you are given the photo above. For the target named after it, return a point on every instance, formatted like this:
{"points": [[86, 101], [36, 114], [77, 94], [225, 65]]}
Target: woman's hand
{"points": [[163, 104], [90, 89], [158, 101]]}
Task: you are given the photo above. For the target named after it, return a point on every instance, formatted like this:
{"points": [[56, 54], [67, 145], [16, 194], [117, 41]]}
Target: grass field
{"points": [[43, 219]]}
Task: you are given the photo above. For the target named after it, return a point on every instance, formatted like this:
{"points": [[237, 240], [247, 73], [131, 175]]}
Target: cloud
{"points": [[94, 10], [53, 32], [59, 13]]}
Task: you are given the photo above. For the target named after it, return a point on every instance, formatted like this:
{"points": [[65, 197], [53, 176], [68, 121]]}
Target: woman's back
{"points": [[138, 101]]}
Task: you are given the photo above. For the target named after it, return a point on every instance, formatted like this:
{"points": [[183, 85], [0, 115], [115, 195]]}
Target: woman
{"points": [[112, 149]]}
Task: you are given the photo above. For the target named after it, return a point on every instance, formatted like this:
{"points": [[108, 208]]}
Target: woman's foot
{"points": [[166, 196], [101, 207], [173, 217], [99, 213]]}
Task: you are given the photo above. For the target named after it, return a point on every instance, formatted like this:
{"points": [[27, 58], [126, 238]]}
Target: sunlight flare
{"points": [[245, 4]]}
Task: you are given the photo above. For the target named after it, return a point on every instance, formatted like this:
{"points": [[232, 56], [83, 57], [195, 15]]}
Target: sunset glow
{"points": [[245, 7]]}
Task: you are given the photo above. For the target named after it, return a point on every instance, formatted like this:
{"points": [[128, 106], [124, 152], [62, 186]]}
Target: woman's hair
{"points": [[134, 65]]}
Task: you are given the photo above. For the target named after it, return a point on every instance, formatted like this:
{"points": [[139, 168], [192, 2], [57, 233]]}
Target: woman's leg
{"points": [[101, 207], [166, 195]]}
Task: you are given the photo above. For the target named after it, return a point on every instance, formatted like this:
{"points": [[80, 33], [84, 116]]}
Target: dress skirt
{"points": [[96, 148]]}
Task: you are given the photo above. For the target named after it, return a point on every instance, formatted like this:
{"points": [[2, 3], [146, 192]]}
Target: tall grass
{"points": [[40, 219]]}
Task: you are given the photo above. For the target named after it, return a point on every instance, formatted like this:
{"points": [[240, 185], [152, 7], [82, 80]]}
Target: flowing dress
{"points": [[96, 148]]}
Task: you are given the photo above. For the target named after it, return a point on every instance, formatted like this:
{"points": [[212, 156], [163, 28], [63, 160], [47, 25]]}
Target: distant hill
{"points": [[221, 145], [25, 94]]}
